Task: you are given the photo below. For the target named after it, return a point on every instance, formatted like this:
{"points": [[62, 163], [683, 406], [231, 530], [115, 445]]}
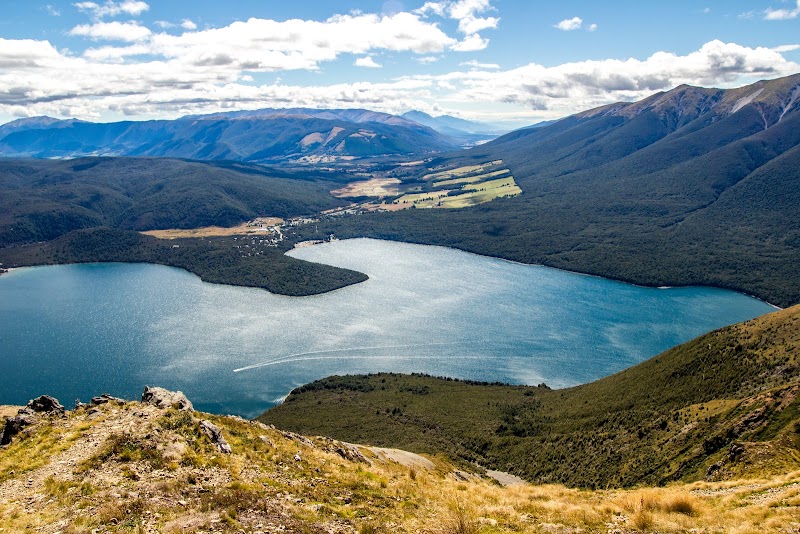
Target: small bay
{"points": [[73, 331]]}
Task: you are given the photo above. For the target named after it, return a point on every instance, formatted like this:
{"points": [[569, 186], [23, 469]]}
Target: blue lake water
{"points": [[74, 331]]}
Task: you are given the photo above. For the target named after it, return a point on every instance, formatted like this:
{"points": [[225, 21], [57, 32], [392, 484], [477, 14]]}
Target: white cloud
{"points": [[466, 12], [575, 23], [471, 43], [782, 14], [187, 24], [571, 87], [112, 31], [52, 10], [211, 70], [437, 8], [786, 48], [268, 45], [368, 62], [475, 64], [426, 60], [112, 9], [567, 25]]}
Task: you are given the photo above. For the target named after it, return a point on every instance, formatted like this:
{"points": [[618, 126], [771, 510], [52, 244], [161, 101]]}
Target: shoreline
{"points": [[580, 273], [308, 243]]}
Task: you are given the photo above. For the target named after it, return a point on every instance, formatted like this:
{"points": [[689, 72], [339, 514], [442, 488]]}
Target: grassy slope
{"points": [[668, 418], [135, 468]]}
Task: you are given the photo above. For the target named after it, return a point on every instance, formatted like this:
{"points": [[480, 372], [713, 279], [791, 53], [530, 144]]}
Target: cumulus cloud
{"points": [[471, 43], [113, 9], [575, 23], [477, 65], [210, 70], [468, 13], [368, 62], [783, 13], [568, 25], [582, 85], [187, 24], [112, 31]]}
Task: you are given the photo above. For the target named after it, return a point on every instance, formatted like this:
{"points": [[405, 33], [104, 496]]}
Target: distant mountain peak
{"points": [[773, 99]]}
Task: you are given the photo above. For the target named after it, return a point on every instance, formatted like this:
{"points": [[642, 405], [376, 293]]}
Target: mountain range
{"points": [[689, 186], [266, 135], [467, 132]]}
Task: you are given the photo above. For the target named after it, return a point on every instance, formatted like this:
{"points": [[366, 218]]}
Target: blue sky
{"points": [[493, 60]]}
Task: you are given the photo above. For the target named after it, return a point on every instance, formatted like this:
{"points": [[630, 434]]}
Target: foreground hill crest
{"points": [[116, 465]]}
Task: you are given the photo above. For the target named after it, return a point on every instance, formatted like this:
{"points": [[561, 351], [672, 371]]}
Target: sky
{"points": [[511, 61]]}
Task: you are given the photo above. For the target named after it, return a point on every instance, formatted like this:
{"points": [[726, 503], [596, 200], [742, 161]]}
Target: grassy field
{"points": [[375, 187], [461, 171], [471, 179], [471, 189], [216, 231]]}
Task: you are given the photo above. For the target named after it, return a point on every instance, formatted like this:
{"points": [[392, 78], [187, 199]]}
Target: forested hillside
{"points": [[692, 186], [41, 200]]}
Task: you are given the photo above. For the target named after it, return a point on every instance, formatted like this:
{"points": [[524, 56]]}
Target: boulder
{"points": [[215, 435], [106, 398], [164, 398], [14, 425], [46, 404]]}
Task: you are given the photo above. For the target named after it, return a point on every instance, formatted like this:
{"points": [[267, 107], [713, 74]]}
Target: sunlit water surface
{"points": [[74, 331]]}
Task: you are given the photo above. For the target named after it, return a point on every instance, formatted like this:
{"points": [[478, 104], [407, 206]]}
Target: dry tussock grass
{"points": [[323, 488]]}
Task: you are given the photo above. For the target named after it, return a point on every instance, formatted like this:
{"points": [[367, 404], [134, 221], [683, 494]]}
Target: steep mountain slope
{"points": [[692, 186], [264, 135], [42, 200], [724, 405]]}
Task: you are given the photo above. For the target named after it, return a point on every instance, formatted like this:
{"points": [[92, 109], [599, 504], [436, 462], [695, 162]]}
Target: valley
{"points": [[680, 205], [409, 266]]}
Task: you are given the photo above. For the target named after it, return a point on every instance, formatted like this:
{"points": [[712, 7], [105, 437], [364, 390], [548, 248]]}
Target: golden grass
{"points": [[262, 477], [376, 187], [461, 171], [471, 179], [216, 231], [471, 195]]}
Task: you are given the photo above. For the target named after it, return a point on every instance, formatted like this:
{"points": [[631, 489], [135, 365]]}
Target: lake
{"points": [[74, 331]]}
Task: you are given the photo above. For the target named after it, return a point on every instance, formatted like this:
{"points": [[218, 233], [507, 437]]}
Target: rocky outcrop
{"points": [[27, 416], [164, 398], [215, 435], [105, 398], [14, 425], [46, 404]]}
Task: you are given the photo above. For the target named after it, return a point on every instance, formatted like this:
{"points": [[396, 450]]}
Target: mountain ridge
{"points": [[255, 136], [633, 196]]}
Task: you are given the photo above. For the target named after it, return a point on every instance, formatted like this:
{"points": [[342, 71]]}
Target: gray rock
{"points": [[215, 435], [105, 398], [14, 425], [46, 404], [164, 398]]}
